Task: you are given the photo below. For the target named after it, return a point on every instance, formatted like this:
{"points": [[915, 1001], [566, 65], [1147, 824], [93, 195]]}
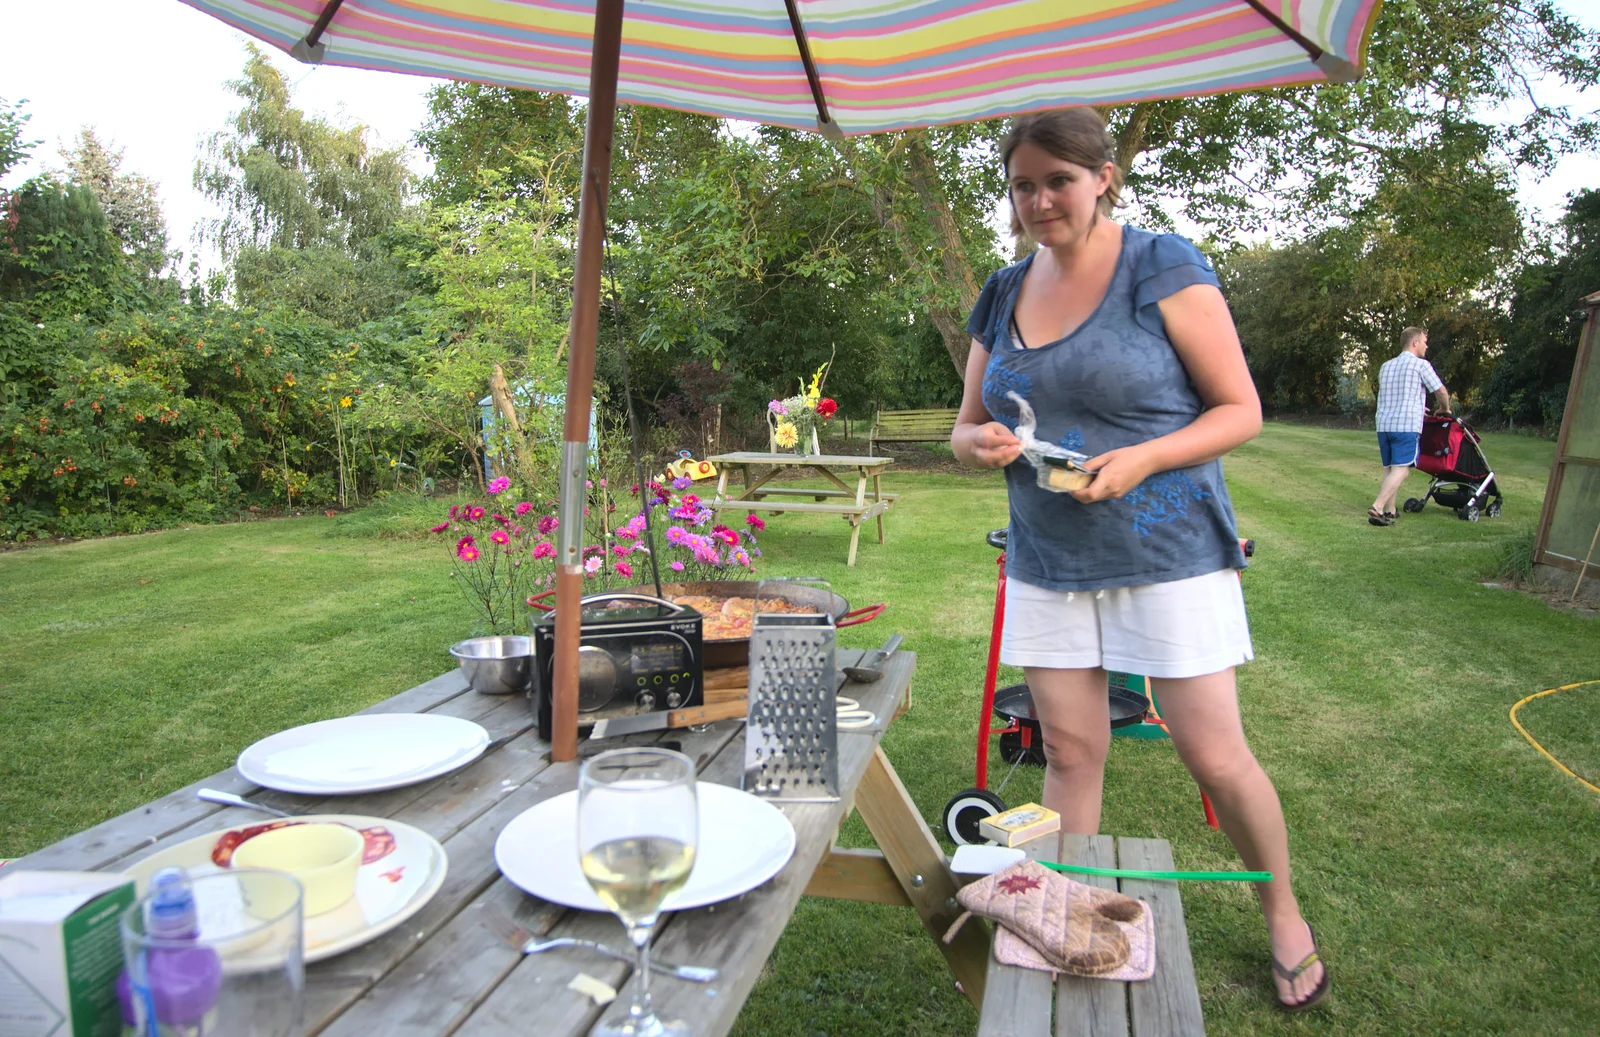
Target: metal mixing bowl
{"points": [[496, 665]]}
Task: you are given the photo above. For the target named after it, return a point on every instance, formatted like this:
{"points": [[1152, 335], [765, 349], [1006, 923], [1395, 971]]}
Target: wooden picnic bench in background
{"points": [[1018, 1002], [911, 426]]}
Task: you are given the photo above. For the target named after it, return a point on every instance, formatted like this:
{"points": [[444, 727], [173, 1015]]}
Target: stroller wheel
{"points": [[965, 810], [1493, 510], [1469, 512], [1412, 504], [1012, 750]]}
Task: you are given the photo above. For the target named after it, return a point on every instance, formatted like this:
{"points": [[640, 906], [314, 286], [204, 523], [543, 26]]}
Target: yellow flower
{"points": [[392, 462], [787, 436], [344, 401]]}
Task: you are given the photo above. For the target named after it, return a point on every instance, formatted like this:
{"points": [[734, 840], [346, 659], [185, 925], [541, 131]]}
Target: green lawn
{"points": [[1450, 871]]}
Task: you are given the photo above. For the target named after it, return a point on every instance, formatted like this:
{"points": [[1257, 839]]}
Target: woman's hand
{"points": [[1117, 472], [992, 445]]}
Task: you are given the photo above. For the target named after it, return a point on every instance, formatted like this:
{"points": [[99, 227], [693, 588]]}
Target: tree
{"points": [[13, 149], [310, 210], [129, 201]]}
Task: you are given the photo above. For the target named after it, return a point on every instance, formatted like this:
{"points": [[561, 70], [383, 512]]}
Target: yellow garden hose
{"points": [[1533, 742]]}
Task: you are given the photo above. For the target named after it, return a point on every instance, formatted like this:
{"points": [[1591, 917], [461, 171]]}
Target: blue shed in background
{"points": [[530, 402]]}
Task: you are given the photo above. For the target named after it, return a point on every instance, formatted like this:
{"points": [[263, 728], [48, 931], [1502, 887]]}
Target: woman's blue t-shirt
{"points": [[1114, 382]]}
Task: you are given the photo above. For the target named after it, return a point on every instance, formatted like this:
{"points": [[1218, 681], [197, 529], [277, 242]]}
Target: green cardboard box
{"points": [[60, 952]]}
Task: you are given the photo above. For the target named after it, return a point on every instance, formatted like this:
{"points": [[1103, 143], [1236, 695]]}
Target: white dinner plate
{"points": [[365, 753], [744, 841], [402, 869]]}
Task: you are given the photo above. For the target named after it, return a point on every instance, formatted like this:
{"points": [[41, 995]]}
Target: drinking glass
{"points": [[638, 824], [238, 971]]}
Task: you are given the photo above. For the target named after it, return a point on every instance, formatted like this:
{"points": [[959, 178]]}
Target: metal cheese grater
{"points": [[791, 737]]}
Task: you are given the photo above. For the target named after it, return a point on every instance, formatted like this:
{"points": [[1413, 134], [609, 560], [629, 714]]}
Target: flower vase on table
{"points": [[794, 419]]}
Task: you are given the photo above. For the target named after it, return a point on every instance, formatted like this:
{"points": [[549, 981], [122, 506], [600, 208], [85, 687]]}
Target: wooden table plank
{"points": [[1091, 1007], [1168, 1004], [1016, 1001], [96, 848]]}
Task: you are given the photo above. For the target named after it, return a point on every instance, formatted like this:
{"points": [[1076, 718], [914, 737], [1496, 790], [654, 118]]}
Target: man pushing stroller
{"points": [[1403, 387]]}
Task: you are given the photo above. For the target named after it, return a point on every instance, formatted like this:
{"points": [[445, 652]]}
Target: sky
{"points": [[149, 76]]}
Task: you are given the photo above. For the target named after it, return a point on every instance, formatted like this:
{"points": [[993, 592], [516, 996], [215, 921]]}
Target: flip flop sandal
{"points": [[1378, 518], [1290, 975]]}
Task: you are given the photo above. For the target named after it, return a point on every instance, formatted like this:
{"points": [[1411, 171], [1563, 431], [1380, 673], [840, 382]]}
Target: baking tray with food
{"points": [[729, 610]]}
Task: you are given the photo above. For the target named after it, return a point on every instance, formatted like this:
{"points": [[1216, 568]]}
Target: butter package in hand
{"points": [[1020, 824]]}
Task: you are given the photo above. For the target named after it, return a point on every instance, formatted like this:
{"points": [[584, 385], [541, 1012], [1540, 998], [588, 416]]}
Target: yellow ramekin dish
{"points": [[324, 857]]}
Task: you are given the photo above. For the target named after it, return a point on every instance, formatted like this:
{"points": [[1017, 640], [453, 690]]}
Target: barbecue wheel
{"points": [[1412, 504], [1013, 751], [965, 810]]}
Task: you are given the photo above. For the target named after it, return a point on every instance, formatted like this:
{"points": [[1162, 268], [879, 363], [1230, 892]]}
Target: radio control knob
{"points": [[674, 700], [646, 700]]}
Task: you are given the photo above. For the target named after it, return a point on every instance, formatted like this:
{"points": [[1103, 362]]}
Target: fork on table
{"points": [[525, 941]]}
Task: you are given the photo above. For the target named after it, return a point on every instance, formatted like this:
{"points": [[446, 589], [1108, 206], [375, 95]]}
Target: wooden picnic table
{"points": [[840, 499], [445, 972]]}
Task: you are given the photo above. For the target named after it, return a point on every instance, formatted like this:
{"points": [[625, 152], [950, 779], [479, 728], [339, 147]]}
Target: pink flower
{"points": [[500, 485], [588, 484], [676, 567], [626, 534], [592, 566], [501, 519], [548, 524], [499, 536], [544, 549], [603, 484], [689, 500], [475, 513], [620, 550], [440, 528], [523, 508], [726, 535], [756, 522], [466, 550], [624, 569], [453, 509]]}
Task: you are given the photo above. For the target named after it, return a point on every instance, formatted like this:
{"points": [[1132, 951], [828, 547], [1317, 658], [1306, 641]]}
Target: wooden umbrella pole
{"points": [[603, 64]]}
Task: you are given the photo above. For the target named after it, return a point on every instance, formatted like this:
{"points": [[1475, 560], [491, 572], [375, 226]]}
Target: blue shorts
{"points": [[1398, 448]]}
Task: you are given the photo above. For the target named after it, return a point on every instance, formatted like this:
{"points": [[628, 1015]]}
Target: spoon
{"points": [[869, 668], [228, 799]]}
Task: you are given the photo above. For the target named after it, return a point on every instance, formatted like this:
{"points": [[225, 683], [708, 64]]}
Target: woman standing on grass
{"points": [[1121, 343]]}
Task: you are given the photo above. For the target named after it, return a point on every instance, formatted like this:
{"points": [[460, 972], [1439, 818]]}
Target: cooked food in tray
{"points": [[730, 619]]}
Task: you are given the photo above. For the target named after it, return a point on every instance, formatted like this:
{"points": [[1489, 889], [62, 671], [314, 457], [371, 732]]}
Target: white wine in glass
{"points": [[638, 825]]}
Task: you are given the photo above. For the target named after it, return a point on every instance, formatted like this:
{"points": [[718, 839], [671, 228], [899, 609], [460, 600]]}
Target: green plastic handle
{"points": [[1181, 876]]}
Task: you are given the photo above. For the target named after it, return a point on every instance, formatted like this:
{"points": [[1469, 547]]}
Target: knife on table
{"points": [[660, 720]]}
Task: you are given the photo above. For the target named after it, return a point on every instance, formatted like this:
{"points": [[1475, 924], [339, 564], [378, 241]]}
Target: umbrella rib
{"points": [[1336, 68], [825, 125]]}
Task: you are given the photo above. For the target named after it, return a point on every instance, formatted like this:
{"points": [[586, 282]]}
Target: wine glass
{"points": [[638, 824]]}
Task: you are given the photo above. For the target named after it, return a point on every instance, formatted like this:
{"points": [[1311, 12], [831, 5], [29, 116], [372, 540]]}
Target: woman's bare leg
{"points": [[1075, 714], [1202, 715]]}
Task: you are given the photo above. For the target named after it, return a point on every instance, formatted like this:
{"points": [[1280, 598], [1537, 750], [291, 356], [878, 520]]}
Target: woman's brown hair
{"points": [[1076, 135]]}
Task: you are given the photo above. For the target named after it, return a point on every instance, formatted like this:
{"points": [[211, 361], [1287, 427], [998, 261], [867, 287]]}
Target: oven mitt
{"points": [[1048, 921]]}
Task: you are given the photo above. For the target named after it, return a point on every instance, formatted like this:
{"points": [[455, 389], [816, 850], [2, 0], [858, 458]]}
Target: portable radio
{"points": [[642, 658]]}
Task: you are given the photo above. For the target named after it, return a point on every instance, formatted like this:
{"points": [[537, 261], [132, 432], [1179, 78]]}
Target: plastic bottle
{"points": [[183, 982]]}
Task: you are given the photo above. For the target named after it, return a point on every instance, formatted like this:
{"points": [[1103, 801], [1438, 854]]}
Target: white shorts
{"points": [[1186, 628]]}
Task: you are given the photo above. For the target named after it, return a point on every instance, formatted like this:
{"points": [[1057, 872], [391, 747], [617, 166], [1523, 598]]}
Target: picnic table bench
{"points": [[839, 499], [444, 971], [1018, 1002], [911, 426]]}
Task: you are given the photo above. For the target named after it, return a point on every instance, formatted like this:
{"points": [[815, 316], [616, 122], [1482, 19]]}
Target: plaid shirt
{"points": [[1401, 395]]}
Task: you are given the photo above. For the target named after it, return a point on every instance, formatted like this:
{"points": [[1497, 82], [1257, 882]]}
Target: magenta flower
{"points": [[501, 519], [676, 567], [544, 549], [466, 550], [500, 536], [475, 513], [548, 524], [620, 550], [626, 534], [523, 508], [756, 522], [705, 555], [440, 528], [624, 569], [500, 485], [726, 535], [453, 509]]}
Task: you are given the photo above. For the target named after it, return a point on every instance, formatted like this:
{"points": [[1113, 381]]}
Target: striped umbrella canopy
{"points": [[866, 65], [835, 66]]}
